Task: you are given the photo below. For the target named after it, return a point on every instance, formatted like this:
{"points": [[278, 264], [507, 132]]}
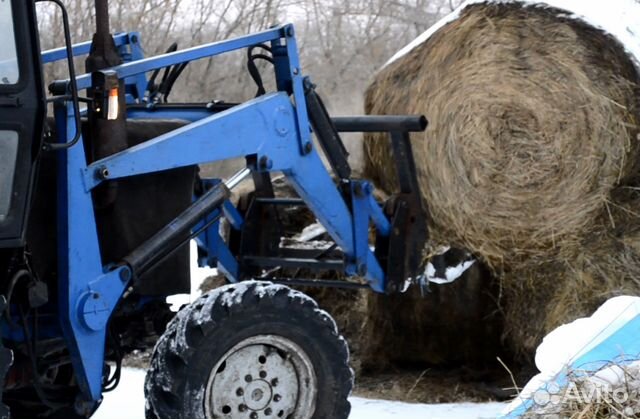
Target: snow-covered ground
{"points": [[127, 402]]}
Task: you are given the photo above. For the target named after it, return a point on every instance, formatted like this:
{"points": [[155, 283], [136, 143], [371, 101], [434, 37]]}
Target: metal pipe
{"points": [[320, 283], [236, 179], [381, 123], [102, 17], [72, 86], [281, 201]]}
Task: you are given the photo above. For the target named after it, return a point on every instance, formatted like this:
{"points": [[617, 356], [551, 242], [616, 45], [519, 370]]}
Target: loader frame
{"points": [[272, 132]]}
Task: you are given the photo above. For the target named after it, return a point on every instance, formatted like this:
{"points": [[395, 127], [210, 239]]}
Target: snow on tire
{"points": [[250, 350]]}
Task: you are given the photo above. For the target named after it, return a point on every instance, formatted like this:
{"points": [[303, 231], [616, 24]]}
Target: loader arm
{"points": [[272, 133]]}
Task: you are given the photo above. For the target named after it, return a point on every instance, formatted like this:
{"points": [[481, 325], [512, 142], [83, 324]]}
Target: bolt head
{"points": [[103, 173], [274, 382], [248, 378], [268, 411], [308, 147], [277, 398], [242, 408], [125, 274], [263, 374], [306, 82], [240, 392], [253, 415]]}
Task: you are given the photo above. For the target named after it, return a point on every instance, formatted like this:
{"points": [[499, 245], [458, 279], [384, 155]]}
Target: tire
{"points": [[241, 351]]}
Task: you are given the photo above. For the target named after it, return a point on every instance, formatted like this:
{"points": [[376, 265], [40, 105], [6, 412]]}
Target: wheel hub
{"points": [[257, 395], [262, 377]]}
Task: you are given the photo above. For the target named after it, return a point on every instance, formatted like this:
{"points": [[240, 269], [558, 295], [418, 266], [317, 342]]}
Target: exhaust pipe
{"points": [[106, 135]]}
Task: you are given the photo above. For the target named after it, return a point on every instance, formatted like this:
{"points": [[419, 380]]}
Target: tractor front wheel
{"points": [[251, 350]]}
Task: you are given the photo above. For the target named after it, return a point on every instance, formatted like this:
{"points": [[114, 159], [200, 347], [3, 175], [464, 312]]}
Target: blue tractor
{"points": [[100, 195]]}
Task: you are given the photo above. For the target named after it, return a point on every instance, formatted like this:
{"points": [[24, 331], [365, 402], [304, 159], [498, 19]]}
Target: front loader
{"points": [[100, 196]]}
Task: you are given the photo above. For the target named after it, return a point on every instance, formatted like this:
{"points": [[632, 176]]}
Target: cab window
{"points": [[8, 154], [9, 71]]}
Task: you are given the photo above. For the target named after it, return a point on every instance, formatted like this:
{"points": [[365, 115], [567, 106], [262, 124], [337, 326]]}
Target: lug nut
{"points": [[239, 392]]}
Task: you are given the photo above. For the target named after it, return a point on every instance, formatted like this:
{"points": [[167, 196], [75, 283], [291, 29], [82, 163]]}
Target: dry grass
{"points": [[430, 386], [533, 139]]}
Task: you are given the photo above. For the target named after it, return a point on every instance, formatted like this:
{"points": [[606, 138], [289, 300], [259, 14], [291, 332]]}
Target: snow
{"points": [[570, 342], [127, 402], [198, 275], [613, 376], [310, 232], [451, 273], [619, 18]]}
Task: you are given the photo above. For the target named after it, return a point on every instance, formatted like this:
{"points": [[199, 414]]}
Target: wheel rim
{"points": [[264, 376]]}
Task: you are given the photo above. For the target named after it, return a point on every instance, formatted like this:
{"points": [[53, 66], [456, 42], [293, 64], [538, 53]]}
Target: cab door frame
{"points": [[22, 111]]}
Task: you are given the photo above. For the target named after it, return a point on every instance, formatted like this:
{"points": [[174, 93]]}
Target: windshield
{"points": [[9, 72]]}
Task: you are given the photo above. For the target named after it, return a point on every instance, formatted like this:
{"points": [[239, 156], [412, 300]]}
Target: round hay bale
{"points": [[533, 122], [542, 295], [532, 148]]}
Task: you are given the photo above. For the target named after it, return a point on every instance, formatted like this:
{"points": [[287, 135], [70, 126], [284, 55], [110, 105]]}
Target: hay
{"points": [[532, 124], [453, 325], [542, 295], [533, 145]]}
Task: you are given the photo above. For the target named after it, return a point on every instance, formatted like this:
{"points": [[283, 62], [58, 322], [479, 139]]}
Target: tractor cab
{"points": [[22, 109]]}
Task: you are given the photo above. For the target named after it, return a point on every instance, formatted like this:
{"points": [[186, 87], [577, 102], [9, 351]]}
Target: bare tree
{"points": [[342, 43]]}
